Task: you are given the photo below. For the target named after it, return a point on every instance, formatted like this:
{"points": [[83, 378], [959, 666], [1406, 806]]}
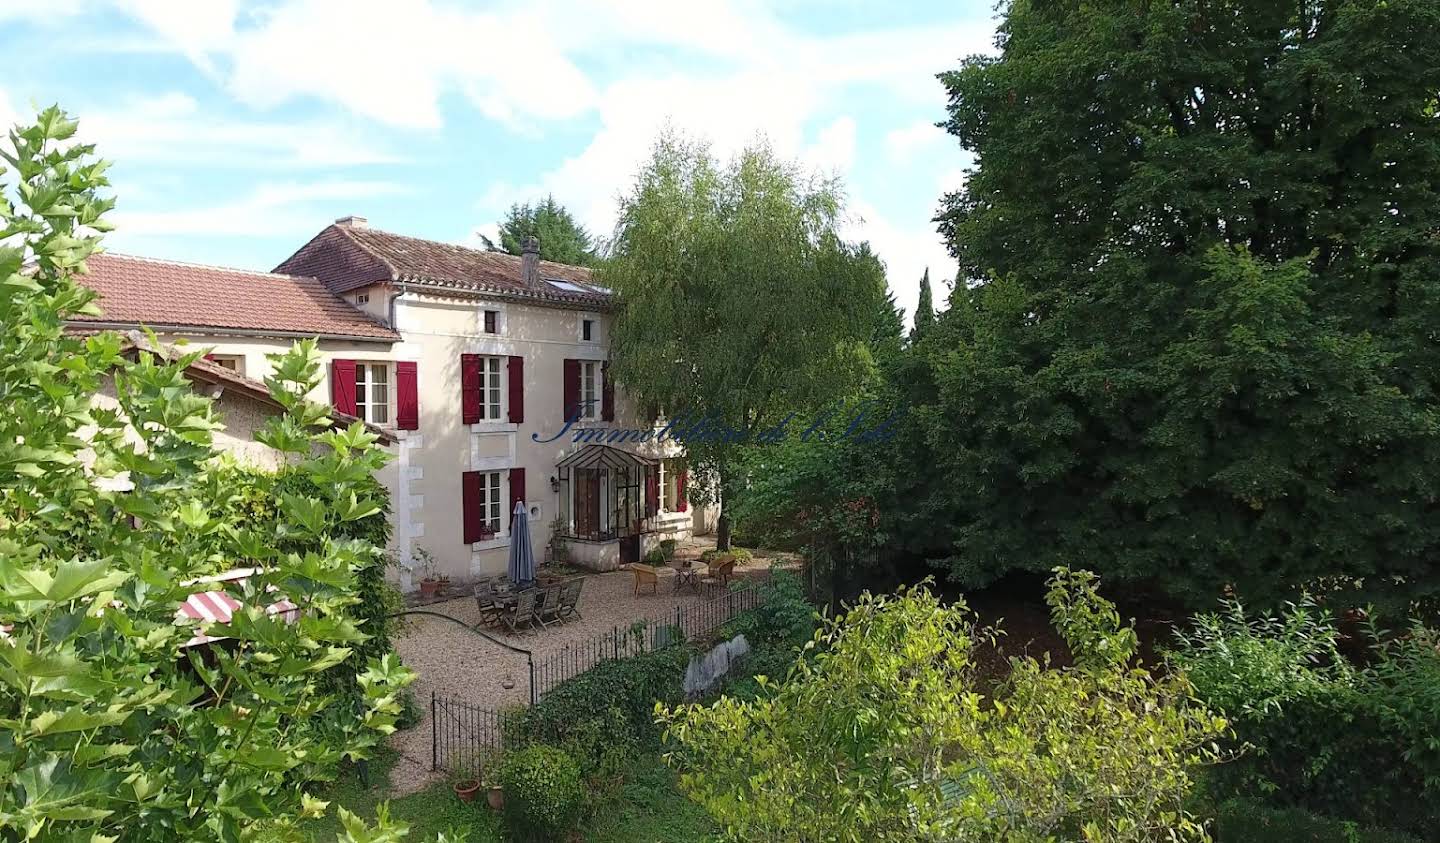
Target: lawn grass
{"points": [[427, 812], [649, 809]]}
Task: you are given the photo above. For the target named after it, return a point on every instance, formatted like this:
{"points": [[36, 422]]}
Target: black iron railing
{"points": [[463, 736], [644, 636]]}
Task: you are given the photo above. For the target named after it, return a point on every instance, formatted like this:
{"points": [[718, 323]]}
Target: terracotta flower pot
{"points": [[496, 797], [466, 790], [429, 587]]}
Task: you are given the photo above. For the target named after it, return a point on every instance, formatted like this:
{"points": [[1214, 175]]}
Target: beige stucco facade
{"points": [[424, 478]]}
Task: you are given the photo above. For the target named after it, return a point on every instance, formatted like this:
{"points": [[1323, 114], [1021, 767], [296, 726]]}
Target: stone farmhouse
{"points": [[470, 362]]}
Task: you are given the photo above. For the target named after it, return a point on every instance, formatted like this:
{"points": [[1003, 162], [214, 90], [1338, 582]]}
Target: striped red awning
{"points": [[219, 606]]}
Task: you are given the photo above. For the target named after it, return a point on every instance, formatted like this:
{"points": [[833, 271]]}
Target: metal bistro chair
{"points": [[570, 599], [523, 612], [547, 608]]}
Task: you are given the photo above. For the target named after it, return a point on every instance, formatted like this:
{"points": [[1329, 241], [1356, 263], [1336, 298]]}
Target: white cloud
{"points": [[274, 209], [194, 28], [834, 149], [173, 128], [387, 60], [904, 143], [8, 115]]}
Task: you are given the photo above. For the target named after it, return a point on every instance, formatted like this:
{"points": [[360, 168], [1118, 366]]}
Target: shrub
{"points": [[543, 797], [882, 734], [621, 694], [110, 516], [667, 546], [655, 556], [741, 555], [1252, 821], [1317, 732]]}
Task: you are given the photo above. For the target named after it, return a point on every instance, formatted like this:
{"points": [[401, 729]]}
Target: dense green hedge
{"points": [[1314, 731], [1251, 821]]}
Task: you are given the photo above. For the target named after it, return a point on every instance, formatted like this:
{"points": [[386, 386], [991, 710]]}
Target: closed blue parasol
{"points": [[522, 557]]}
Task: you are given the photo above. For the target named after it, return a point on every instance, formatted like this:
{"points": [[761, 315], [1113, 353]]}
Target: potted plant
{"points": [[429, 583], [467, 789]]}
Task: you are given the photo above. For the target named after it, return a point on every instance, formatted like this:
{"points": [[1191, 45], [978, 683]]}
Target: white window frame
{"points": [[236, 361], [594, 320], [667, 477], [592, 388], [492, 389], [365, 371], [492, 502]]}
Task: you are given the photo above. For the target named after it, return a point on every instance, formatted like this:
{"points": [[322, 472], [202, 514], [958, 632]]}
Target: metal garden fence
{"points": [[644, 636], [464, 734]]}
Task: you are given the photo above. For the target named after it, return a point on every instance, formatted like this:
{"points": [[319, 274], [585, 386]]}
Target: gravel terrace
{"points": [[454, 662]]}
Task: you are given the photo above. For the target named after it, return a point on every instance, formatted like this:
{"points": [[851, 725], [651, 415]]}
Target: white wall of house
{"points": [[424, 479]]}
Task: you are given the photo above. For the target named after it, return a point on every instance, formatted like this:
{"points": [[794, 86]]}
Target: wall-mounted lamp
{"points": [[554, 483]]}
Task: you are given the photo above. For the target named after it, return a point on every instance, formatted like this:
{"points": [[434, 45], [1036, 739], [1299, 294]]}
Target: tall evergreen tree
{"points": [[562, 239], [1198, 342], [924, 308]]}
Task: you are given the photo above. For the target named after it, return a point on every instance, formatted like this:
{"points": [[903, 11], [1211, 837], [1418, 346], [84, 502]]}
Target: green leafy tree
{"points": [[562, 239], [111, 727], [738, 301], [924, 309], [883, 733], [1197, 342]]}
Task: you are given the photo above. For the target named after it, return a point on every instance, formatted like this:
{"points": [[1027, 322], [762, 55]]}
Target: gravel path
{"points": [[454, 662]]}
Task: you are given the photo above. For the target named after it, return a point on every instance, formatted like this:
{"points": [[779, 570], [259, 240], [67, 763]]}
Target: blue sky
{"points": [[238, 130]]}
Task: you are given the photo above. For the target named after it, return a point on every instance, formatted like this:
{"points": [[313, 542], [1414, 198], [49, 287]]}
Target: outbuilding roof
{"points": [[170, 294]]}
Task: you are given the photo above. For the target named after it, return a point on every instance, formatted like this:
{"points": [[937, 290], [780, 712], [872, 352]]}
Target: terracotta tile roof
{"points": [[136, 290], [347, 257]]}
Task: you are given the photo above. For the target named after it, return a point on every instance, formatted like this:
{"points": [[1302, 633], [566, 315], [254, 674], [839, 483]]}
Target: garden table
{"points": [[687, 578]]}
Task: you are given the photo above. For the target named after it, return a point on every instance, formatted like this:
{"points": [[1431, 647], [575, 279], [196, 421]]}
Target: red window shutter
{"points": [[607, 394], [471, 513], [572, 389], [407, 396], [681, 479], [515, 384], [470, 388], [517, 489], [342, 385], [652, 491]]}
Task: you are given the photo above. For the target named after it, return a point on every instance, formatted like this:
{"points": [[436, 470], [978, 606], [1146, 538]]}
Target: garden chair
{"points": [[720, 570], [570, 599], [547, 607], [645, 576], [490, 610], [523, 612]]}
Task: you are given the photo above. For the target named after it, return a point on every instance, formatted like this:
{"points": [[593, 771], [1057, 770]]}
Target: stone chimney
{"points": [[353, 221], [530, 261]]}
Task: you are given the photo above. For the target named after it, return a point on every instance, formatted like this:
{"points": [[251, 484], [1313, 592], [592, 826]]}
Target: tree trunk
{"points": [[722, 524]]}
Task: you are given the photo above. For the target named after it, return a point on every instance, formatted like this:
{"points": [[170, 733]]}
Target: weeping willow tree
{"points": [[738, 301]]}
